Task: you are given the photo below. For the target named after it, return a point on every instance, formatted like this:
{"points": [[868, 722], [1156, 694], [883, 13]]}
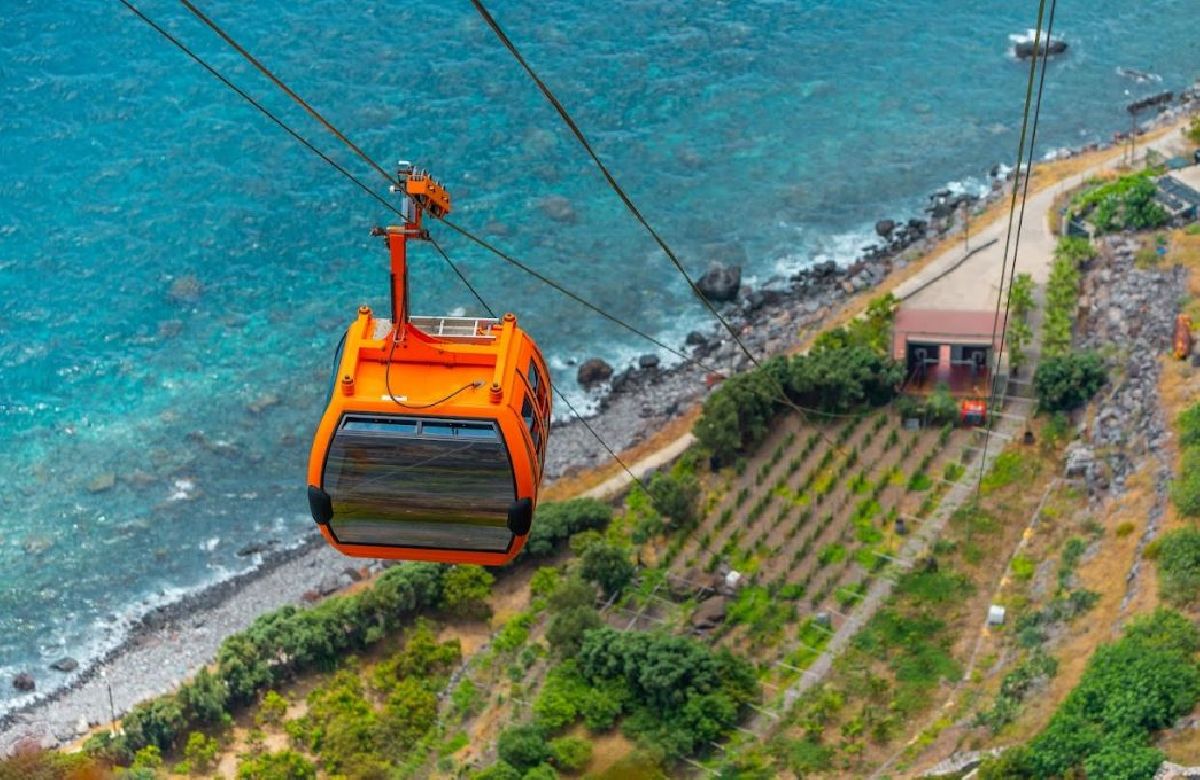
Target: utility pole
{"points": [[966, 203]]}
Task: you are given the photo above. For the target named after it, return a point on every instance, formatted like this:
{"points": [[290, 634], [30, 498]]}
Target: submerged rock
{"points": [[558, 208], [102, 482], [185, 289], [65, 664], [593, 372]]}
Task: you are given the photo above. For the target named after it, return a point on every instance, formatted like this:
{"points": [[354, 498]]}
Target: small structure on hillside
{"points": [[951, 347], [1179, 193]]}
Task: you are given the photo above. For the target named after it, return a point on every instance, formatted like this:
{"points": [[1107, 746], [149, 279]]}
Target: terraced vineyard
{"points": [[810, 518]]}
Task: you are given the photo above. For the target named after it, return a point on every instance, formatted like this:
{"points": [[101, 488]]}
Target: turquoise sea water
{"points": [[167, 257]]}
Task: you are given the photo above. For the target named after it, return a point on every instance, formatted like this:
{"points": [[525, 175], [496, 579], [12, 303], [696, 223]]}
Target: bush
{"points": [[608, 566], [556, 521], [677, 694], [465, 590], [1179, 566], [200, 751], [523, 746], [498, 771], [271, 710], [1068, 382], [835, 378], [284, 765], [1137, 685], [1189, 425], [1185, 490], [571, 753], [676, 496]]}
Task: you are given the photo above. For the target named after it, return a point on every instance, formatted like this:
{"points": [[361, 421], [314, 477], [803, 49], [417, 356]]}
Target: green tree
{"points": [[1185, 490], [271, 710], [1066, 382], [410, 711], [544, 581], [556, 521], [200, 751], [501, 770], [676, 497], [1020, 296], [941, 406], [284, 765], [465, 589], [149, 757], [571, 754], [523, 746], [1020, 335], [608, 566], [567, 628]]}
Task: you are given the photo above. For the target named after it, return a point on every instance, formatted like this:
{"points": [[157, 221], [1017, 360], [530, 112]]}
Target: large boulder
{"points": [[884, 227], [24, 682], [721, 282], [593, 372], [648, 362], [710, 614], [1024, 48], [65, 664]]}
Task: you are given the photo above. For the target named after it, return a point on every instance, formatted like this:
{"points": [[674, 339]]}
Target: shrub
{"points": [[501, 770], [284, 765], [465, 589], [523, 746], [556, 521], [1185, 490], [1139, 684], [676, 496], [271, 710], [201, 751], [677, 694], [835, 378], [608, 566], [1179, 566], [571, 753], [1189, 425], [1067, 382]]}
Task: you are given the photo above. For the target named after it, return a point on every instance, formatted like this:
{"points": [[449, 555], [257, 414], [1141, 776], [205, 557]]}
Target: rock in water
{"points": [[24, 682], [593, 372], [884, 227], [558, 208], [65, 664], [185, 289], [721, 282], [648, 361], [1024, 49], [696, 338]]}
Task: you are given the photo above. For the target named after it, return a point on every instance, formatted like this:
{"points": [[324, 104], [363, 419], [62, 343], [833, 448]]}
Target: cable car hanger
{"points": [[433, 441]]}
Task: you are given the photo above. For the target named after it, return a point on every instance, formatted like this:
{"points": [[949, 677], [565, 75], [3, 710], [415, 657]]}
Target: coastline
{"points": [[638, 408]]}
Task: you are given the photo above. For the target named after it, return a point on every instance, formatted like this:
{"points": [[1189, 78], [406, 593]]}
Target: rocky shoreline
{"points": [[170, 642]]}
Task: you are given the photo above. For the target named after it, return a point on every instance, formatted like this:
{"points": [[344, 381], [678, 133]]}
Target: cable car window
{"points": [[444, 484], [527, 412], [535, 430], [535, 381], [381, 425]]}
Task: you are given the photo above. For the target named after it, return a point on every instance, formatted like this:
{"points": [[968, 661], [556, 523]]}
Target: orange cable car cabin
{"points": [[434, 439]]}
